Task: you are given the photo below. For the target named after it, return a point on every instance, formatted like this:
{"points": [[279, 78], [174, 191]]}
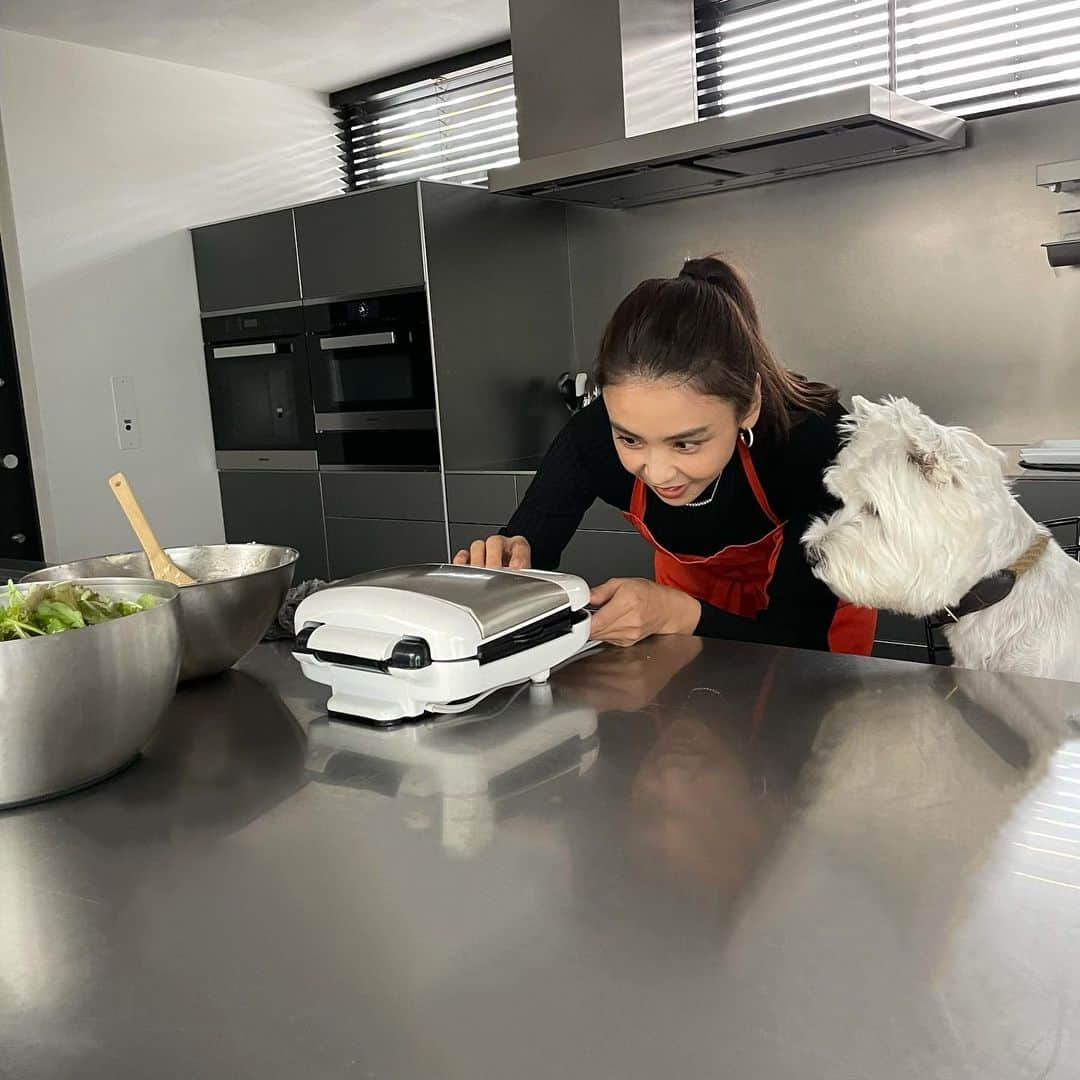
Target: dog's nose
{"points": [[813, 557]]}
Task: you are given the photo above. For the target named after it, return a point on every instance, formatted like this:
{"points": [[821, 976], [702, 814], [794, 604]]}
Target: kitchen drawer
{"points": [[360, 244], [901, 629], [462, 535], [599, 517], [411, 496], [1048, 499], [277, 508], [597, 556], [356, 545], [247, 263], [15, 569], [604, 518], [476, 497]]}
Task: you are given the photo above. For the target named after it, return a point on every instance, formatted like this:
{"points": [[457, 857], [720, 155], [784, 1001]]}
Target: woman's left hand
{"points": [[632, 609]]}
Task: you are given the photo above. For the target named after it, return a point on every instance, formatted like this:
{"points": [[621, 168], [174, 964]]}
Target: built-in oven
{"points": [[373, 383], [260, 390]]}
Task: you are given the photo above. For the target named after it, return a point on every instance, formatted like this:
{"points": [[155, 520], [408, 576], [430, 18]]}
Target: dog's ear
{"points": [[934, 465], [860, 407], [940, 462]]}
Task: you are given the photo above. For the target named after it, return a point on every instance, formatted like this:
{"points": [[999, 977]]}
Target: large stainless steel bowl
{"points": [[79, 705], [239, 591]]}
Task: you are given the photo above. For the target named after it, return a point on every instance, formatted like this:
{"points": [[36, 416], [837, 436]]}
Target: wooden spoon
{"points": [[162, 567]]}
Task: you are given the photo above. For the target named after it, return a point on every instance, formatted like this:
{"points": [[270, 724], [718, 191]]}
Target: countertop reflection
{"points": [[691, 858]]}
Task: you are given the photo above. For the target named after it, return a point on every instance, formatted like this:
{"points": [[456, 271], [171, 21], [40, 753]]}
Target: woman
{"points": [[715, 453]]}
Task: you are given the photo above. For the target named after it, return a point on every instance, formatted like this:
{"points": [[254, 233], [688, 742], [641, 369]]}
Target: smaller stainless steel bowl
{"points": [[79, 705], [240, 589]]}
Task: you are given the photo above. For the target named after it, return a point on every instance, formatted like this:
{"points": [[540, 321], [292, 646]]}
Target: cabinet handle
{"points": [[264, 348], [357, 341]]}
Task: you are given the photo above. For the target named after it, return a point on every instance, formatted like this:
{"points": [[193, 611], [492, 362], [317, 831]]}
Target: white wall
{"points": [[110, 158]]}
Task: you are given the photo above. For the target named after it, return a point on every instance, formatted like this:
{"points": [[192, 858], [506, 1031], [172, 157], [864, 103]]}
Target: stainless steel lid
{"points": [[499, 600]]}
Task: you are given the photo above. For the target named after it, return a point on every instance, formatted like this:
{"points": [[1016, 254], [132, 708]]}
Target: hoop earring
{"points": [[747, 436]]}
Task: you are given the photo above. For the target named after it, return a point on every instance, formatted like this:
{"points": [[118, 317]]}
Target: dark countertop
{"points": [[681, 860]]}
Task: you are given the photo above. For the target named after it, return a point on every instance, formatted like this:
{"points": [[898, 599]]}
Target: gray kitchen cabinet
{"points": [[598, 556], [247, 263], [405, 496], [357, 545], [481, 497], [600, 517], [899, 637], [277, 508], [1046, 500], [499, 289], [463, 534], [360, 244], [14, 569], [603, 518], [595, 556]]}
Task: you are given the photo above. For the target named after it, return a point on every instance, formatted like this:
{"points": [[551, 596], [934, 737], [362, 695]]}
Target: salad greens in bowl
{"points": [[52, 609], [87, 669]]}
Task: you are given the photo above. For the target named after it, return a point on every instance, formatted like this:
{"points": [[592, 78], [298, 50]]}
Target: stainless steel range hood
{"points": [[600, 83]]}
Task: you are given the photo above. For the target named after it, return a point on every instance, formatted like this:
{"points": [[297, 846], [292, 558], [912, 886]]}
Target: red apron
{"points": [[736, 579]]}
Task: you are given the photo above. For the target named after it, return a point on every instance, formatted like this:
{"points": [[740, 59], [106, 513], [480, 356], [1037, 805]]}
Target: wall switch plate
{"points": [[127, 418]]}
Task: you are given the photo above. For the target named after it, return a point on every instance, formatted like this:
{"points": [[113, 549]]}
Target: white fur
{"points": [[926, 514]]}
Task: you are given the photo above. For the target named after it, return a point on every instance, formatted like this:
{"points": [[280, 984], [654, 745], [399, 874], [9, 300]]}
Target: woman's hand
{"points": [[509, 551], [632, 609]]}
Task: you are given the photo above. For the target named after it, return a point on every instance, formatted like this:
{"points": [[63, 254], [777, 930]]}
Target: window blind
{"points": [[965, 56], [978, 56], [452, 124]]}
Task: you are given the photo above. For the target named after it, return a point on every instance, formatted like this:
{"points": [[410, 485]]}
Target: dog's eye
{"points": [[871, 511]]}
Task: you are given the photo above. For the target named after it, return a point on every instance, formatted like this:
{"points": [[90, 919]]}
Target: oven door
{"points": [[260, 395], [371, 364]]}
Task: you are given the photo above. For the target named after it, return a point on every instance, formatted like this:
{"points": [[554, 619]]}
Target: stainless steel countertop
{"points": [[682, 860]]}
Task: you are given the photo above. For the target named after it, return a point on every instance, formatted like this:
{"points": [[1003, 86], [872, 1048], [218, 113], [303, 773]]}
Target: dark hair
{"points": [[702, 328]]}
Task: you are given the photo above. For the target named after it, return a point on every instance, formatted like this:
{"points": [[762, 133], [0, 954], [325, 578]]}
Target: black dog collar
{"points": [[993, 589]]}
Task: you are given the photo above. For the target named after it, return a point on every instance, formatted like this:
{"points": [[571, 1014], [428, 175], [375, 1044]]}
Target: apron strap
{"points": [[755, 483]]}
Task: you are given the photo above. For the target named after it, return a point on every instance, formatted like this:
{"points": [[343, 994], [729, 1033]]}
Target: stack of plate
{"points": [[1061, 455]]}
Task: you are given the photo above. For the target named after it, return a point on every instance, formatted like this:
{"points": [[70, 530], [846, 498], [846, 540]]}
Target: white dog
{"points": [[929, 527]]}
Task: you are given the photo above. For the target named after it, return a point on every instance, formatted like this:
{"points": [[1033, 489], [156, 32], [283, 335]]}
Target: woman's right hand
{"points": [[496, 551]]}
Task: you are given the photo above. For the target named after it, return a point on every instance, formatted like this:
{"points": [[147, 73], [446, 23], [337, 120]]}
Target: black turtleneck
{"points": [[582, 465]]}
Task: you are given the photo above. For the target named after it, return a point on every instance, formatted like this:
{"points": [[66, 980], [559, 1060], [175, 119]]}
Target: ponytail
{"points": [[702, 328]]}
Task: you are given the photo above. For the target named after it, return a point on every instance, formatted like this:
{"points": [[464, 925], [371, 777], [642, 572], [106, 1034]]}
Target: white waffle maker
{"points": [[395, 644]]}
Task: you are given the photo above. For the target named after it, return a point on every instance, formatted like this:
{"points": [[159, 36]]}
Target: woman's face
{"points": [[674, 438]]}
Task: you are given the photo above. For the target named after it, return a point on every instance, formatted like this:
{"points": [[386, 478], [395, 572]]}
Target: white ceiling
{"points": [[316, 44]]}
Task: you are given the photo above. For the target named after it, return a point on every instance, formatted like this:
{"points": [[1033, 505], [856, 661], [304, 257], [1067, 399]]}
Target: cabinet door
{"points": [[248, 263], [360, 244], [414, 496], [594, 556], [1045, 500], [357, 545], [277, 508], [481, 497], [462, 535], [598, 556]]}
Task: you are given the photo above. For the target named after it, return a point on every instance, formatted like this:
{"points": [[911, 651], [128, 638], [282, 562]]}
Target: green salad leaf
{"points": [[54, 608]]}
